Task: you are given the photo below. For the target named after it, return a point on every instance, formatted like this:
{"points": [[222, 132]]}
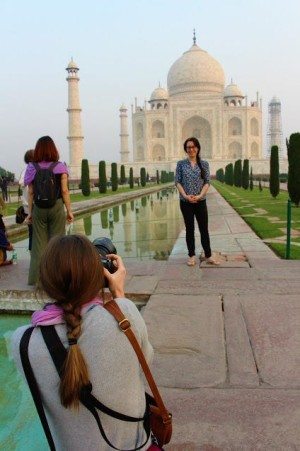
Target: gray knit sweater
{"points": [[116, 376]]}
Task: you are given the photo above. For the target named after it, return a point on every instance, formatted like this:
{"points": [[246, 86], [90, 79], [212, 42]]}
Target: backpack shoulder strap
{"points": [[33, 385], [36, 165], [52, 165]]}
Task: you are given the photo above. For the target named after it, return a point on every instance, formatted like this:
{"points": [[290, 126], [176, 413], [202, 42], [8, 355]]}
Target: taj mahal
{"points": [[195, 103]]}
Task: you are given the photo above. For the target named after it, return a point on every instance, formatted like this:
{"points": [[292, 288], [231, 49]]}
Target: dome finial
{"points": [[194, 36]]}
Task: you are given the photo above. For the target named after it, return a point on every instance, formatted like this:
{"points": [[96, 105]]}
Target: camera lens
{"points": [[105, 246]]}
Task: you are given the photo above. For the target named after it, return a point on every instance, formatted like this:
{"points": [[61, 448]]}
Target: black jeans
{"points": [[189, 212]]}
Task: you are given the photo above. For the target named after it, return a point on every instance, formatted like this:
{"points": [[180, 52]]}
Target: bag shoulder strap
{"points": [[37, 166], [124, 324], [33, 385], [58, 354]]}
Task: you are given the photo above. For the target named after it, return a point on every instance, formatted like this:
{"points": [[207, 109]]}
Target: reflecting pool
{"points": [[144, 228]]}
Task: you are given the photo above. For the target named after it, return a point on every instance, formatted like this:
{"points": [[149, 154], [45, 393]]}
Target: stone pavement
{"points": [[226, 339]]}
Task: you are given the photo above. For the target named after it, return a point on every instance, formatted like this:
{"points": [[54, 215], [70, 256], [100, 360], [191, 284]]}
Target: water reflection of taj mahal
{"points": [[143, 228]]}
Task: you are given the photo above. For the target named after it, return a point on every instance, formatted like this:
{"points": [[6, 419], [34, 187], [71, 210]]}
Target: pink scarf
{"points": [[53, 313]]}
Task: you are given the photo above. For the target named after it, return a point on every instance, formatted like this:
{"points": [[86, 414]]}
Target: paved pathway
{"points": [[226, 339]]}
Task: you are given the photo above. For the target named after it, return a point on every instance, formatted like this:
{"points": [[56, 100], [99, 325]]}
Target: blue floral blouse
{"points": [[190, 177]]}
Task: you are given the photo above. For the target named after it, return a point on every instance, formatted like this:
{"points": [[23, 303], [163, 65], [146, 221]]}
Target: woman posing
{"points": [[46, 220], [192, 182], [71, 273]]}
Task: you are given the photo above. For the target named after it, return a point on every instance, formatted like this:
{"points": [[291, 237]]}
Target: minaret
{"points": [[75, 131], [124, 134], [274, 126]]}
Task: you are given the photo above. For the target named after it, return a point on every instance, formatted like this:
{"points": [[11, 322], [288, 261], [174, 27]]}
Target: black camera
{"points": [[105, 246]]}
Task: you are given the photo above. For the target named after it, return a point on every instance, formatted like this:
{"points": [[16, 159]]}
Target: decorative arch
{"points": [[200, 128], [140, 153], [254, 150], [158, 129], [235, 150], [254, 127], [234, 126], [158, 153], [139, 130]]}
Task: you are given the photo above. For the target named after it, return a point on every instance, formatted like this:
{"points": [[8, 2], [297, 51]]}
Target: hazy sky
{"points": [[123, 49]]}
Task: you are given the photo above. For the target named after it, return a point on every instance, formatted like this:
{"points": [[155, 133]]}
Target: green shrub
{"points": [[274, 172], [85, 178], [293, 148], [102, 177], [245, 174], [114, 177], [131, 184]]}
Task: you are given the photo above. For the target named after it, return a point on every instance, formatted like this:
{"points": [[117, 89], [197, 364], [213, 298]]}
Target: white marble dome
{"points": [[233, 90], [159, 94], [195, 71]]}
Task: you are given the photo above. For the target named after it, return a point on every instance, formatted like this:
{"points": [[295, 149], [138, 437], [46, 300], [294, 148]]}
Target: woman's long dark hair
{"points": [[197, 144]]}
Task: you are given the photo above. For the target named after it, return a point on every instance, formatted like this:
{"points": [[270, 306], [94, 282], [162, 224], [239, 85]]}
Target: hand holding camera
{"points": [[113, 266], [116, 279]]}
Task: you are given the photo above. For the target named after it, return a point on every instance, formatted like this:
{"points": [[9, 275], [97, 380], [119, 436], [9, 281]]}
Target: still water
{"points": [[145, 228]]}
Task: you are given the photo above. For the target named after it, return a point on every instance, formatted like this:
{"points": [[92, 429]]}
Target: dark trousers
{"points": [[190, 212]]}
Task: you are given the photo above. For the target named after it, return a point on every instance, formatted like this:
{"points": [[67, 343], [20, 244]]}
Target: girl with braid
{"points": [[98, 352], [192, 182]]}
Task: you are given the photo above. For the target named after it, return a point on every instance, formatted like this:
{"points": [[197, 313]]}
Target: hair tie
{"points": [[72, 341]]}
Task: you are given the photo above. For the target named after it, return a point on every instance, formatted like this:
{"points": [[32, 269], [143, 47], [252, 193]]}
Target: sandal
{"points": [[212, 261], [191, 261]]}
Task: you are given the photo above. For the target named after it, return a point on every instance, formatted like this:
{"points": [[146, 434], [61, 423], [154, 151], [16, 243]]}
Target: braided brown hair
{"points": [[72, 274]]}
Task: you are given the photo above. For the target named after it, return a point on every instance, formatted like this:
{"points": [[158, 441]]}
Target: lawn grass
{"points": [[264, 214]]}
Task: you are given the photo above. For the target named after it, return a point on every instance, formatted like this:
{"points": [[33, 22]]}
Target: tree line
{"points": [[239, 175], [115, 180]]}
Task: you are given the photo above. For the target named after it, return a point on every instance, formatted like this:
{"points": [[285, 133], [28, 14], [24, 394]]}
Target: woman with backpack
{"points": [[48, 196]]}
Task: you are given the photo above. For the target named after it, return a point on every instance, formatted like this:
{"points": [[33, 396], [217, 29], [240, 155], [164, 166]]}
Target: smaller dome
{"points": [[72, 65], [159, 94], [123, 107], [275, 100], [233, 90]]}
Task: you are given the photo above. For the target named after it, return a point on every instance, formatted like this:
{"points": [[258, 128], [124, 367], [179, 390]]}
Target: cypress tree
{"points": [[157, 176], [85, 178], [122, 175], [102, 177], [293, 148], [229, 174], [143, 176], [274, 172], [245, 174], [114, 177], [251, 180], [237, 173], [220, 175], [131, 178]]}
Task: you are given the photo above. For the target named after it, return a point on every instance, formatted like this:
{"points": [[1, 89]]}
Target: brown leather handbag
{"points": [[160, 417]]}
